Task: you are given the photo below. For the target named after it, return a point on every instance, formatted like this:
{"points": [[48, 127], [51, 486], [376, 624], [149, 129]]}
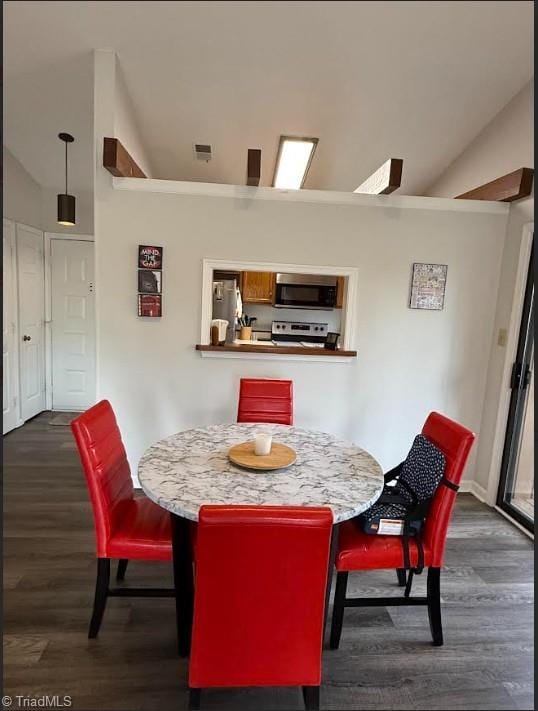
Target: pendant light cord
{"points": [[66, 167]]}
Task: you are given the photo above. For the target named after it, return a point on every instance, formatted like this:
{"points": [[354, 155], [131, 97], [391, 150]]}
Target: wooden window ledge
{"points": [[276, 350]]}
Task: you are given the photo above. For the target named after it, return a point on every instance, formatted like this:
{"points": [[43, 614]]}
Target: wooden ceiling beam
{"points": [[254, 166], [119, 162], [385, 180], [508, 188]]}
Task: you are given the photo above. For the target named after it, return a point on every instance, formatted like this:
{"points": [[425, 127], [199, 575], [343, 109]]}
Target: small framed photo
{"points": [[149, 281], [150, 305], [150, 257], [428, 283]]}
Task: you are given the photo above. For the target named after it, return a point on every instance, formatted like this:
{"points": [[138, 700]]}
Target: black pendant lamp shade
{"points": [[66, 203]]}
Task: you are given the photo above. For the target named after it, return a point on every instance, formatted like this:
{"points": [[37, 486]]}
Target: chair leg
{"points": [[122, 567], [409, 583], [194, 699], [400, 572], [338, 610], [311, 698], [434, 605], [101, 594]]}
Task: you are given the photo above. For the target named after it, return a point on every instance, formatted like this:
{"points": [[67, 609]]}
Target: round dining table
{"points": [[191, 468]]}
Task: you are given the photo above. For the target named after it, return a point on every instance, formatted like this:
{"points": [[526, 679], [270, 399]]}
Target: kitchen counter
{"points": [[269, 347]]}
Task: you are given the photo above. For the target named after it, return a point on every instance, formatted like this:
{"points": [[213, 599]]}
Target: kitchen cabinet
{"points": [[257, 287], [340, 289]]}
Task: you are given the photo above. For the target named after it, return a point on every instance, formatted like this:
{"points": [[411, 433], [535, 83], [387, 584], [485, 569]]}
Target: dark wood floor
{"points": [[385, 660]]}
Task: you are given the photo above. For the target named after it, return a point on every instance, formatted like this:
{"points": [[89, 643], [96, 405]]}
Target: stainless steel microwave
{"points": [[305, 291]]}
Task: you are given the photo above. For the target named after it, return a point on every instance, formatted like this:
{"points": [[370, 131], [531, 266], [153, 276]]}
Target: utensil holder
{"points": [[214, 336], [245, 334]]}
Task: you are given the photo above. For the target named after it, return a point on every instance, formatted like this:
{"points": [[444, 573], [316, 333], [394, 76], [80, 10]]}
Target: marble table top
{"points": [[191, 468]]}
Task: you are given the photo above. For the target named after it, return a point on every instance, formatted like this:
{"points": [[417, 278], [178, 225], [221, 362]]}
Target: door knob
{"points": [[27, 338]]}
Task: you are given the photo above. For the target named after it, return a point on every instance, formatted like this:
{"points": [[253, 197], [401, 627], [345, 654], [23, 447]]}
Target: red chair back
{"points": [[455, 441], [106, 468], [262, 400], [261, 576]]}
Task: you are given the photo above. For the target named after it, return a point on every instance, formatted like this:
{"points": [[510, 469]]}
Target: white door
{"points": [[9, 330], [31, 286], [73, 324]]}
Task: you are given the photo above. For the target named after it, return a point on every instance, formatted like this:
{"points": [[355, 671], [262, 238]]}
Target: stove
{"points": [[298, 333]]}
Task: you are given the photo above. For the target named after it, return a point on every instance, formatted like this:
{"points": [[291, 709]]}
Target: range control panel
{"points": [[299, 331]]}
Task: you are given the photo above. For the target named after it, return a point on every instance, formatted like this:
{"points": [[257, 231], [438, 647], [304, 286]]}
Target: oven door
{"points": [[294, 295]]}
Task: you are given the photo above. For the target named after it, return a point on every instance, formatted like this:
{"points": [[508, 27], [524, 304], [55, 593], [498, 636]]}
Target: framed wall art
{"points": [[150, 257], [150, 305], [428, 283], [149, 281]]}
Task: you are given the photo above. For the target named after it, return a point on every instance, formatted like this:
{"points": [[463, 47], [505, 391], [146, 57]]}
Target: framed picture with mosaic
{"points": [[428, 283]]}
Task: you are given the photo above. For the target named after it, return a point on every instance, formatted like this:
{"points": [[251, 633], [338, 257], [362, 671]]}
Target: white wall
{"points": [[28, 202], [504, 145], [409, 362], [487, 474], [126, 129], [22, 195]]}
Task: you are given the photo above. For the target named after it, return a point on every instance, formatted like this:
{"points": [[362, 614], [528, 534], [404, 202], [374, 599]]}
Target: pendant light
{"points": [[66, 203]]}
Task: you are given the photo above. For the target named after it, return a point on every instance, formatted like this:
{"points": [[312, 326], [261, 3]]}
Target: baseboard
{"points": [[19, 423], [69, 409], [516, 523], [479, 491], [471, 487]]}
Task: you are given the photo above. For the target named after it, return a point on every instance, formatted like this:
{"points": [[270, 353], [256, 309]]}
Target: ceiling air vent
{"points": [[202, 151]]}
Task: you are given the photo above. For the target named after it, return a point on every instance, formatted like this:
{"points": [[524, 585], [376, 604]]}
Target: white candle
{"points": [[262, 444]]}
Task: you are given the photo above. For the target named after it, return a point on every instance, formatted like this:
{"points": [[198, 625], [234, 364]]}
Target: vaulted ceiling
{"points": [[371, 80]]}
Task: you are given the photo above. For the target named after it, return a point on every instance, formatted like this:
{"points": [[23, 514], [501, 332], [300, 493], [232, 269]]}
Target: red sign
{"points": [[150, 257], [149, 305]]}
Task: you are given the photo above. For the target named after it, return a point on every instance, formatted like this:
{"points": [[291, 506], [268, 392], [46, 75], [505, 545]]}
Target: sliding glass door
{"points": [[516, 489]]}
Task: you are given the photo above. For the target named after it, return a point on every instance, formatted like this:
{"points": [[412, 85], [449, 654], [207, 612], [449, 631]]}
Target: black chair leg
{"points": [[311, 698], [400, 572], [122, 567], [434, 605], [101, 594], [409, 583], [194, 699], [338, 610]]}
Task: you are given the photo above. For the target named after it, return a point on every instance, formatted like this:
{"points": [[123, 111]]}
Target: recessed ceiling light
{"points": [[293, 161]]}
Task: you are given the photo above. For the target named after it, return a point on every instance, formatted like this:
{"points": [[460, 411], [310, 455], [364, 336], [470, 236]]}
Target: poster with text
{"points": [[428, 284], [149, 305], [150, 257]]}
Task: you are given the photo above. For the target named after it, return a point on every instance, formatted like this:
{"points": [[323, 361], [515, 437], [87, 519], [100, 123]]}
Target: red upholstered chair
{"points": [[125, 527], [361, 551], [261, 577], [262, 400]]}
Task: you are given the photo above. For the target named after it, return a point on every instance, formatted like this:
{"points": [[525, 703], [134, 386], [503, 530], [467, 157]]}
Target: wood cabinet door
{"points": [[257, 287], [340, 288]]}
